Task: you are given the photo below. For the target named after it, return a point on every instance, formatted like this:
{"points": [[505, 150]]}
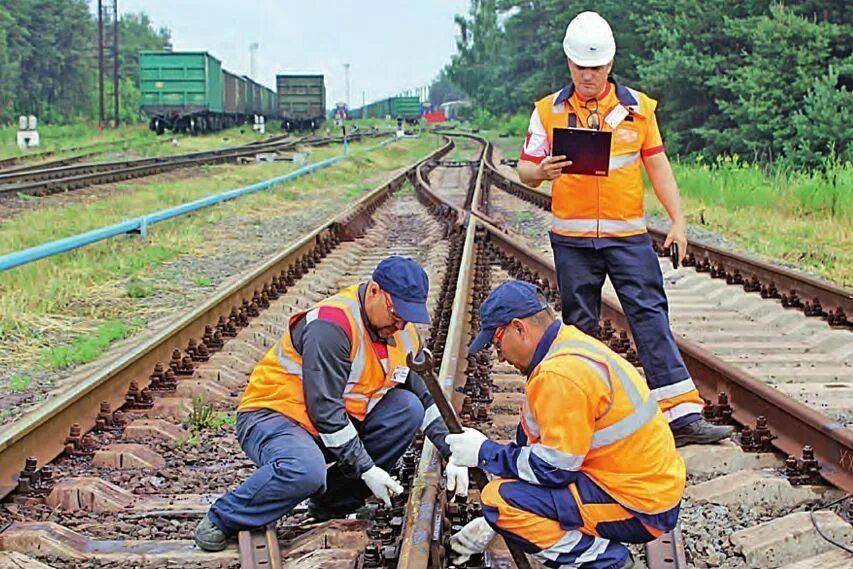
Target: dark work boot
{"points": [[209, 537], [701, 432]]}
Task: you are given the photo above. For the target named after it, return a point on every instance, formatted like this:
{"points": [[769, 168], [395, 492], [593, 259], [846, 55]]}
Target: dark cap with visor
{"points": [[408, 284], [513, 299]]}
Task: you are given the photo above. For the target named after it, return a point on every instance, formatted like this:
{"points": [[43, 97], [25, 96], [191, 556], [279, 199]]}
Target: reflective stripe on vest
{"points": [[289, 365], [358, 362], [593, 225], [643, 411], [623, 160]]}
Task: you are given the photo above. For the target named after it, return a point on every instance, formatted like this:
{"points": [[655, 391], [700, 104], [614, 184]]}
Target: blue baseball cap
{"points": [[408, 284], [513, 299]]}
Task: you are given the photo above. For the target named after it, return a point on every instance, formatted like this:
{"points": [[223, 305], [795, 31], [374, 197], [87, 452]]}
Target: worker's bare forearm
{"points": [[665, 186], [529, 174]]}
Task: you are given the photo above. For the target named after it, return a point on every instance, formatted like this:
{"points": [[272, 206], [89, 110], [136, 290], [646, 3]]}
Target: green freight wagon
{"points": [[190, 92], [406, 108], [301, 101]]}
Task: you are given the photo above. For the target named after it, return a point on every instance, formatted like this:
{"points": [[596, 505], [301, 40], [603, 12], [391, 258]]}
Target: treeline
{"points": [[49, 60], [756, 78]]}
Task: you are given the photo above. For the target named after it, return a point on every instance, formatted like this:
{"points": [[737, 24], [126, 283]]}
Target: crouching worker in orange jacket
{"points": [[335, 389], [594, 465]]}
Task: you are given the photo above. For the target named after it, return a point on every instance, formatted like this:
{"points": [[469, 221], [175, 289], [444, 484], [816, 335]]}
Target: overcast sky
{"points": [[391, 45]]}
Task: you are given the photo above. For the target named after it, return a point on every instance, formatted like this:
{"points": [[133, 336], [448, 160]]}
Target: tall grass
{"points": [[733, 183], [802, 218]]}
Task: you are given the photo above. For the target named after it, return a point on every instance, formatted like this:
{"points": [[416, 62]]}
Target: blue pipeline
{"points": [[140, 224]]}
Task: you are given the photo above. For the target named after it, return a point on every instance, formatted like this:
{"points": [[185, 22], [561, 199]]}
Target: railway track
{"points": [[128, 492], [46, 181]]}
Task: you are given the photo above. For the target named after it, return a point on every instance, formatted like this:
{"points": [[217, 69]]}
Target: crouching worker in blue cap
{"points": [[335, 389], [594, 464]]}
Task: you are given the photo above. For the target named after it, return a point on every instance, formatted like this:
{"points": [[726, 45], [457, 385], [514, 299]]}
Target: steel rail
{"points": [[814, 297], [41, 433], [84, 175], [421, 529]]}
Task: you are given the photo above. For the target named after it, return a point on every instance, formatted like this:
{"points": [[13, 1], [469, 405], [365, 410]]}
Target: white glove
{"points": [[381, 484], [457, 479], [465, 447], [474, 538]]}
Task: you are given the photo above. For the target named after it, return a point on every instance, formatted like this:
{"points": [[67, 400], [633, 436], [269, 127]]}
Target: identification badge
{"points": [[616, 116], [400, 374]]}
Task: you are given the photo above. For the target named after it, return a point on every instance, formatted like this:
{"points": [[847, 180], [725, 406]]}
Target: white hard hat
{"points": [[589, 40]]}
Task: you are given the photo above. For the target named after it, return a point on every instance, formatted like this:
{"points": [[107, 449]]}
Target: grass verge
{"points": [[804, 220], [110, 281]]}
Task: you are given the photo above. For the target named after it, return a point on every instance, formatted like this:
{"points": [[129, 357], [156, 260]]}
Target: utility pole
{"points": [[253, 50], [363, 101], [100, 65], [107, 25], [115, 60], [346, 79]]}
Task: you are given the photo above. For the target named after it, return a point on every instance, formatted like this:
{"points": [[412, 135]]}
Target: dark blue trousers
{"points": [[292, 463], [632, 265]]}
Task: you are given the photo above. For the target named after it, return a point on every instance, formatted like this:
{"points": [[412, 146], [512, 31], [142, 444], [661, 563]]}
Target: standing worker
{"points": [[598, 226], [335, 389], [594, 464]]}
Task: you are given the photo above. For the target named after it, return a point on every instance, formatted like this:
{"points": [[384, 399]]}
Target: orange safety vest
{"points": [[276, 382], [602, 206], [632, 455]]}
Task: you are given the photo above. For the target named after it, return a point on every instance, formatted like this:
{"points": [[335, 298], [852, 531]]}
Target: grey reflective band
{"points": [[557, 458], [407, 341], [625, 427], [339, 438], [643, 411], [596, 225], [530, 421], [674, 390], [564, 545], [431, 414], [578, 225], [617, 225], [623, 160], [289, 365], [522, 463]]}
